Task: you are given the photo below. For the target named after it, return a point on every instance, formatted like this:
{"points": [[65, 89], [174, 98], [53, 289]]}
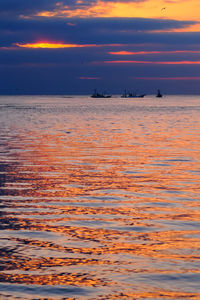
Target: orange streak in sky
{"points": [[152, 52], [53, 45], [153, 62], [167, 78], [49, 45], [89, 78]]}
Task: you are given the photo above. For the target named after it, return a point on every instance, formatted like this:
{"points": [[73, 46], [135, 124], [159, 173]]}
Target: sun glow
{"points": [[52, 45]]}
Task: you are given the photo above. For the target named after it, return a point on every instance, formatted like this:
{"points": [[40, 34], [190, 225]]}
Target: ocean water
{"points": [[99, 198]]}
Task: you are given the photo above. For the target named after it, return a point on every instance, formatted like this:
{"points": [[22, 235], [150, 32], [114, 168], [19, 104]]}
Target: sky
{"points": [[76, 46]]}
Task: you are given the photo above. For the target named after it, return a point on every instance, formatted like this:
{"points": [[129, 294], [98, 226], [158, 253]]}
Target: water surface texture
{"points": [[99, 198]]}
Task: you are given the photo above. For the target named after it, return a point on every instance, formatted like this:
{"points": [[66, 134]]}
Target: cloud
{"points": [[49, 45], [183, 10], [197, 62], [60, 50], [55, 9], [17, 7], [168, 78], [89, 78], [154, 52], [91, 31], [32, 7]]}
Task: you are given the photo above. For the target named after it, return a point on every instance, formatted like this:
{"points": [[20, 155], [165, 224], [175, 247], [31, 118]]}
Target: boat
{"points": [[132, 95], [159, 95], [98, 95]]}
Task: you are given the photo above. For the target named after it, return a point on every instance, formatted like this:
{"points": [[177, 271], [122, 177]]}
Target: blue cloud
{"points": [[98, 30], [50, 69]]}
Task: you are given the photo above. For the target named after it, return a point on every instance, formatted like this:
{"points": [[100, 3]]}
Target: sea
{"points": [[99, 198]]}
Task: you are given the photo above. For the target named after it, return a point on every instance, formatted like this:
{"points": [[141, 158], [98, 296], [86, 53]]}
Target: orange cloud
{"points": [[179, 10], [98, 9], [89, 78], [152, 52], [49, 45], [167, 78], [52, 45], [153, 62]]}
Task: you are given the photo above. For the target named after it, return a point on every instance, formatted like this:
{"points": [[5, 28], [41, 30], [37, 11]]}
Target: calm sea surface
{"points": [[99, 198]]}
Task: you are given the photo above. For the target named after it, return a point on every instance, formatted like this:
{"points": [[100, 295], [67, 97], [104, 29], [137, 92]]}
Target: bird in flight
{"points": [[163, 8]]}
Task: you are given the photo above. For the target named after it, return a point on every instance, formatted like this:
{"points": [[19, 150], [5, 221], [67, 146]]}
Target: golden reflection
{"points": [[92, 207], [54, 279], [153, 295]]}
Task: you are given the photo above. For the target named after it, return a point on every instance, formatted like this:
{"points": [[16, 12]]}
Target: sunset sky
{"points": [[72, 47]]}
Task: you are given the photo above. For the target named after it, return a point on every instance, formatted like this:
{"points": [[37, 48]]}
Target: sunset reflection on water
{"points": [[99, 198]]}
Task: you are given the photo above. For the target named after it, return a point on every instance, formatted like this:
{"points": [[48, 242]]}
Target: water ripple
{"points": [[99, 200]]}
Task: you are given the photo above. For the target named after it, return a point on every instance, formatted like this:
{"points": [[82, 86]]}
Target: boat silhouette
{"points": [[159, 95], [131, 95], [99, 95]]}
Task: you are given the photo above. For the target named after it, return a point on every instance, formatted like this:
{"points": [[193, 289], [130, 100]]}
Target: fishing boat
{"points": [[132, 95], [99, 95], [159, 95]]}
